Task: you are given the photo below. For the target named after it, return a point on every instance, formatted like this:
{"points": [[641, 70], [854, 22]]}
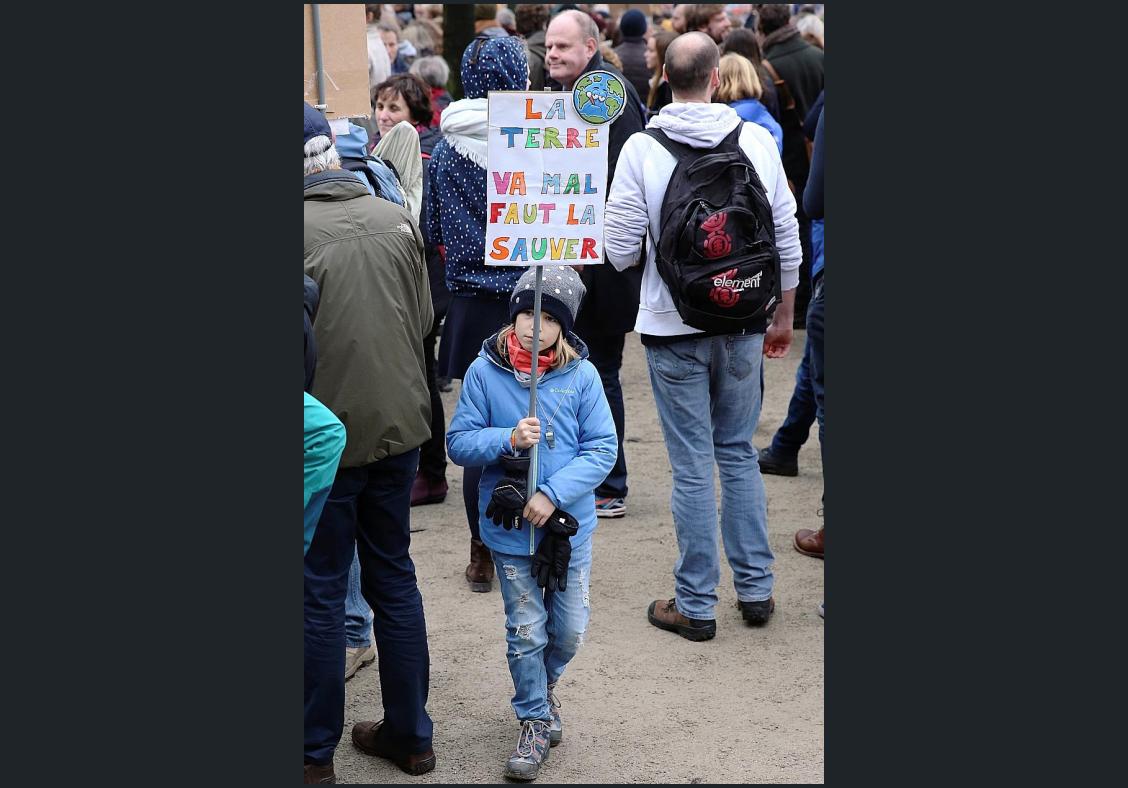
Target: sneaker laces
{"points": [[552, 699], [528, 738]]}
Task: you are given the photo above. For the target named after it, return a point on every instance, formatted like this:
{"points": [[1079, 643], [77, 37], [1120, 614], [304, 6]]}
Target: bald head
{"points": [[584, 25], [691, 67], [570, 43]]}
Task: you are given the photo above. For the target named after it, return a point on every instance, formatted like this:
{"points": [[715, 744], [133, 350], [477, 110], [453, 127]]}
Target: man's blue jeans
{"points": [[368, 508], [543, 629], [708, 396], [358, 615]]}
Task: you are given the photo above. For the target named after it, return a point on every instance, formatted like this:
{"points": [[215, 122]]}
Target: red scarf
{"points": [[522, 360]]}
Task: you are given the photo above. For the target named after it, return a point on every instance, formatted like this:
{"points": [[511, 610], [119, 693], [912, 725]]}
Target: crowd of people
{"points": [[399, 301]]}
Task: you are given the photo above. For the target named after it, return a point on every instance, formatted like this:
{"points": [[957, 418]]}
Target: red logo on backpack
{"points": [[718, 243], [724, 294]]}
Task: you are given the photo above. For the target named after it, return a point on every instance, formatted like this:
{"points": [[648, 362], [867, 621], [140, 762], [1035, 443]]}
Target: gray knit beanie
{"points": [[561, 294]]}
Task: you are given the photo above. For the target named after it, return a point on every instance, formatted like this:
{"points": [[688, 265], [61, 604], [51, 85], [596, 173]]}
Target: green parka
{"points": [[366, 255]]}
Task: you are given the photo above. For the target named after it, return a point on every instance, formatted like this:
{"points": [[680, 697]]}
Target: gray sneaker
{"points": [[556, 727], [357, 658], [532, 751]]}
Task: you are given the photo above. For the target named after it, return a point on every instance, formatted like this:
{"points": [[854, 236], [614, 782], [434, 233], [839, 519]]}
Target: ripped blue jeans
{"points": [[543, 629]]}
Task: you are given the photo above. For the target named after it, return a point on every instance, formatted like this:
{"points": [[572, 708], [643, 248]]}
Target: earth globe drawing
{"points": [[599, 97]]}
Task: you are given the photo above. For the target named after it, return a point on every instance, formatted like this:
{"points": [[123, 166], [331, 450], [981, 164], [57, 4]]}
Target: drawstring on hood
{"points": [[695, 124]]}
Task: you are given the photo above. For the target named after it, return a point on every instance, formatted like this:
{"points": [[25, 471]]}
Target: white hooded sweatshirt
{"points": [[642, 174]]}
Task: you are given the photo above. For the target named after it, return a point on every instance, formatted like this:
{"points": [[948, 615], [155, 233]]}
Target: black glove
{"points": [[550, 564], [509, 494]]}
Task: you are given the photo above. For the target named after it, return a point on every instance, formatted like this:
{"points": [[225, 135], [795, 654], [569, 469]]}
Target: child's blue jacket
{"points": [[489, 407]]}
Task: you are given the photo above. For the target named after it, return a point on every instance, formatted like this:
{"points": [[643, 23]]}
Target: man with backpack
{"points": [[718, 289]]}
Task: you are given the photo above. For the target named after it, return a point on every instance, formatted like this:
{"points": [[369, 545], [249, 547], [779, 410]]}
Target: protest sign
{"points": [[344, 53], [546, 181], [546, 184]]}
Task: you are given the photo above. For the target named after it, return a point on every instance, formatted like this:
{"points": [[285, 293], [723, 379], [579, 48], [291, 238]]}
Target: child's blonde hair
{"points": [[565, 353]]}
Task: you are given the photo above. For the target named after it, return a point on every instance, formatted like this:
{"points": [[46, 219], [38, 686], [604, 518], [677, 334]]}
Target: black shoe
{"points": [[775, 464], [757, 612], [444, 384]]}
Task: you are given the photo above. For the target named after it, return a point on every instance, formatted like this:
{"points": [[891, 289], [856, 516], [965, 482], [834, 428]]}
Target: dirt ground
{"points": [[639, 705]]}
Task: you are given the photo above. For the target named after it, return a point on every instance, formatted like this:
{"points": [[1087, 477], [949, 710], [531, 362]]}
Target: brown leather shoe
{"points": [[665, 615], [366, 736], [809, 542], [480, 571], [319, 774], [427, 489]]}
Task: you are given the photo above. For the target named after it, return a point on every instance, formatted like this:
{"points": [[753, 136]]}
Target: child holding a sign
{"points": [[541, 546]]}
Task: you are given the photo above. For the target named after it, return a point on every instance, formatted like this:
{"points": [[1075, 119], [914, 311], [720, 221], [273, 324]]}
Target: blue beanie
{"points": [[633, 24], [499, 63]]}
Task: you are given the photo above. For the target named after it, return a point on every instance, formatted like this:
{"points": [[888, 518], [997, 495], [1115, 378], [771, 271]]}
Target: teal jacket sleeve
{"points": [[324, 443], [597, 450], [471, 441]]}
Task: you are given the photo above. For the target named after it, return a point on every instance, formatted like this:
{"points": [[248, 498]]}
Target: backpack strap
{"points": [[788, 109], [678, 150], [683, 152], [771, 70], [733, 138]]}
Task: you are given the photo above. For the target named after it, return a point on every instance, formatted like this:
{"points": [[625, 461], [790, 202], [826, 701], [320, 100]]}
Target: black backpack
{"points": [[717, 252]]}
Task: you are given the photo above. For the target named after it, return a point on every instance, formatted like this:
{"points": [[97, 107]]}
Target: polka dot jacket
{"points": [[457, 214]]}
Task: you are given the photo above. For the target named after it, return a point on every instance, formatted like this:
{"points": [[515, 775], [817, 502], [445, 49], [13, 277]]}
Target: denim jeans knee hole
{"points": [[510, 571], [524, 631], [522, 601]]}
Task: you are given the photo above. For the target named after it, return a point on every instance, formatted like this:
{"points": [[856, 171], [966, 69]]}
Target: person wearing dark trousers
{"points": [[609, 311], [606, 353], [430, 485], [369, 507], [366, 257], [782, 456], [807, 541], [456, 217]]}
